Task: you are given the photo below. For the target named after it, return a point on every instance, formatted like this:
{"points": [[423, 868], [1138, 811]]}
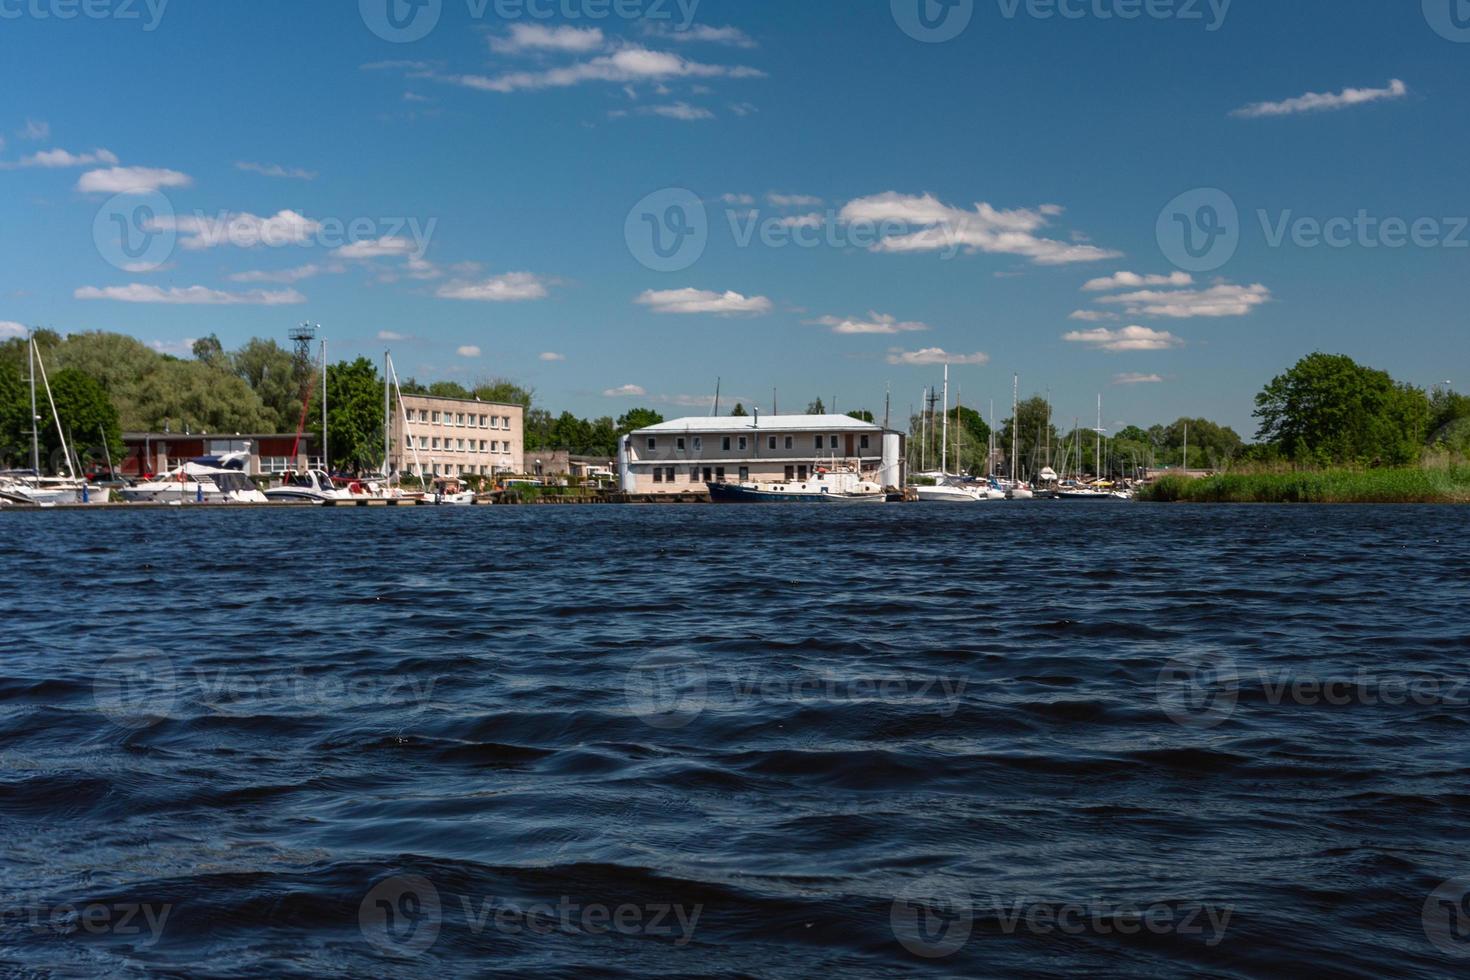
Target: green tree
{"points": [[88, 418], [354, 415], [637, 418], [1329, 409], [862, 415], [449, 389], [505, 391], [739, 411], [537, 432], [210, 351], [1036, 438], [816, 407], [15, 417], [270, 371]]}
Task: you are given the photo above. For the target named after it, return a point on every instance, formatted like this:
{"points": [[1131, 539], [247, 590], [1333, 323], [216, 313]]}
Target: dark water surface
{"points": [[1040, 740]]}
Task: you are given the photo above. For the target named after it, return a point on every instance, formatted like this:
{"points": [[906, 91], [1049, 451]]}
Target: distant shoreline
{"points": [[1409, 485]]}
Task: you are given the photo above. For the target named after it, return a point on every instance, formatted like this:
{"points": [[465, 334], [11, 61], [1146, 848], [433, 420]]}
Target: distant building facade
{"points": [[456, 437], [684, 454], [270, 453]]}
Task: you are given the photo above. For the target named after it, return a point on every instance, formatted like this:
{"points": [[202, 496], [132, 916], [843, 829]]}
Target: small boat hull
{"points": [[732, 493]]}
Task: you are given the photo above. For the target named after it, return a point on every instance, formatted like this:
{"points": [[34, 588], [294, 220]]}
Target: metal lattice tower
{"points": [[303, 337]]}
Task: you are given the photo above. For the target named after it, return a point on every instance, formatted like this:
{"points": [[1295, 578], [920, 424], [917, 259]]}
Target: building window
{"points": [[482, 421], [819, 442], [423, 442], [745, 474], [698, 443], [789, 443], [694, 474], [725, 444], [679, 444], [771, 442], [505, 421], [658, 474], [436, 442], [669, 474], [436, 418], [708, 474], [801, 472], [719, 474], [742, 444], [652, 443], [423, 415], [864, 442], [790, 473], [832, 441]]}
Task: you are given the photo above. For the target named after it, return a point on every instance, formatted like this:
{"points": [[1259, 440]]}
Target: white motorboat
{"points": [[836, 485], [26, 488], [207, 479], [313, 486], [949, 492]]}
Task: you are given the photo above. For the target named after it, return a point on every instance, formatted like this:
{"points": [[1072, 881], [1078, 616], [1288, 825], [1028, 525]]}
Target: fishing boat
{"points": [[205, 479], [836, 485]]}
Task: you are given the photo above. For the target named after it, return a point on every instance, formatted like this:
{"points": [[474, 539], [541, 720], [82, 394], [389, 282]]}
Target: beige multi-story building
{"points": [[457, 437], [683, 455]]}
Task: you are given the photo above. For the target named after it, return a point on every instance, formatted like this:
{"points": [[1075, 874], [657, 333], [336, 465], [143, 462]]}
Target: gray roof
{"points": [[751, 423]]}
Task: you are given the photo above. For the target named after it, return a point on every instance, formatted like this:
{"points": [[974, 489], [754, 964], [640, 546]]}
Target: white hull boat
{"points": [[208, 480]]}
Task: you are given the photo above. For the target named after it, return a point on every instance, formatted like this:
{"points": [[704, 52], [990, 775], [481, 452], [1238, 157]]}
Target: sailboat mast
{"points": [[1015, 422], [326, 459], [944, 441], [35, 431], [1097, 459], [387, 419], [60, 432]]}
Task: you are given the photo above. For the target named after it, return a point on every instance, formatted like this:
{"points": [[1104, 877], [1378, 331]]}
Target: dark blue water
{"points": [[1010, 740]]}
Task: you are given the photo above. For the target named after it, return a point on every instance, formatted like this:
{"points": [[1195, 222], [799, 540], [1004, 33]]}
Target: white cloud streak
{"points": [[188, 296], [538, 37], [1323, 101], [626, 66], [1132, 280], [934, 355], [1221, 300], [513, 287], [1137, 379], [276, 170], [694, 301], [131, 180], [875, 323], [1126, 339]]}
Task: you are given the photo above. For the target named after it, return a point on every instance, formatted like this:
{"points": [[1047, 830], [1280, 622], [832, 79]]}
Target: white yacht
{"points": [[828, 485], [207, 479], [313, 486], [26, 488], [948, 491]]}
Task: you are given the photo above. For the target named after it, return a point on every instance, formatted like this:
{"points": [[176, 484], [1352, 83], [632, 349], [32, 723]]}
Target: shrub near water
{"points": [[1429, 485]]}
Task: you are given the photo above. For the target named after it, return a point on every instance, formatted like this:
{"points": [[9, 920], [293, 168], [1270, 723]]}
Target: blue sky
{"points": [[1008, 192]]}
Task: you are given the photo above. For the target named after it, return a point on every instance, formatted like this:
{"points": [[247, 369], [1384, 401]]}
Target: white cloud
{"points": [[1132, 280], [1126, 339], [792, 200], [624, 391], [1137, 379], [739, 199], [743, 109], [421, 268], [299, 273], [189, 295], [276, 170], [510, 288], [391, 335], [377, 248], [801, 221], [537, 37], [56, 159], [1323, 101], [934, 355], [702, 301], [552, 356], [983, 229], [468, 350], [9, 328], [131, 180], [876, 323], [1092, 316], [628, 65], [242, 230], [702, 33], [678, 110], [1224, 299], [34, 130]]}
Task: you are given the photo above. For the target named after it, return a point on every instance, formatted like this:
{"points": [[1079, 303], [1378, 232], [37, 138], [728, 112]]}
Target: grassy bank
{"points": [[1426, 485]]}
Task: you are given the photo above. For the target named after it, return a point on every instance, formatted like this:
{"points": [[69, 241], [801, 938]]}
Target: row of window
{"points": [[743, 442], [458, 445], [461, 419], [716, 474]]}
